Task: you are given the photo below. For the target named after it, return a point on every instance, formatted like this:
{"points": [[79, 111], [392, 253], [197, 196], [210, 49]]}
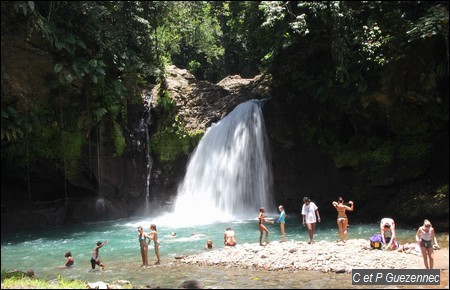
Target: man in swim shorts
{"points": [[95, 259]]}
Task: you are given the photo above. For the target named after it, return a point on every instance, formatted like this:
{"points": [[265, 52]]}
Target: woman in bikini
{"points": [[154, 237], [143, 237], [342, 219], [262, 227]]}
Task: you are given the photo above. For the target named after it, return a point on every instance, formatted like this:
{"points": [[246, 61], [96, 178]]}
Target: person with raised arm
{"points": [[342, 220]]}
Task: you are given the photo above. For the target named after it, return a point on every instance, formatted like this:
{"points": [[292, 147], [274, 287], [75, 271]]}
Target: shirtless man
{"points": [[95, 260], [229, 238]]}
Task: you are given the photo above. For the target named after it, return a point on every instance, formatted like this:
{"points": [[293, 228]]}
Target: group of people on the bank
{"points": [[425, 235]]}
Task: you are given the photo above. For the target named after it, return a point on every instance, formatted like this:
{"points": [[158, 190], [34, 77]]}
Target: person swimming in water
{"points": [[69, 260], [209, 245]]}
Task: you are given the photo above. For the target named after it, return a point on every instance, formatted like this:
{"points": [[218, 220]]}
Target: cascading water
{"points": [[229, 174], [143, 128], [100, 202]]}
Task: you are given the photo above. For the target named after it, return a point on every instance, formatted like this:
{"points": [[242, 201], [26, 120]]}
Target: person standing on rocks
{"points": [[143, 243], [154, 237], [309, 212], [262, 227], [425, 237], [342, 219], [282, 220]]}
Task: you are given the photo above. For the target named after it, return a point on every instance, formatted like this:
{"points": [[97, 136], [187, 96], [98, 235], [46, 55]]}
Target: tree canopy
{"points": [[357, 69]]}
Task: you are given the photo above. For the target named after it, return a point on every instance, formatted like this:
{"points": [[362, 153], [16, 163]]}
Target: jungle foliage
{"points": [[367, 80]]}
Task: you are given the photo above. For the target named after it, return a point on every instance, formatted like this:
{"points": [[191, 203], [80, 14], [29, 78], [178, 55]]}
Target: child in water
{"points": [[69, 260], [209, 245], [95, 260]]}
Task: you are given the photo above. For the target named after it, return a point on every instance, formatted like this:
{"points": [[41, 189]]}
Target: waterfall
{"points": [[99, 163], [100, 206], [229, 173], [147, 178], [143, 128]]}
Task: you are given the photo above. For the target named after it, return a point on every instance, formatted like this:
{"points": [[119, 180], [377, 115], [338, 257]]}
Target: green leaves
{"points": [[58, 67], [99, 113], [94, 68], [13, 125], [26, 7], [434, 22]]}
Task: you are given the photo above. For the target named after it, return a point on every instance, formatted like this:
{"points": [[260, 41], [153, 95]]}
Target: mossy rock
{"points": [[17, 274]]}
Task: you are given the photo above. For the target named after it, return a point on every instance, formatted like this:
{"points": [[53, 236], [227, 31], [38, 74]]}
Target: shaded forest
{"points": [[364, 83]]}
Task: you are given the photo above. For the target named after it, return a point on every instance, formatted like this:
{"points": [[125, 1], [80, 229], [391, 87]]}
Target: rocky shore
{"points": [[290, 258], [321, 256]]}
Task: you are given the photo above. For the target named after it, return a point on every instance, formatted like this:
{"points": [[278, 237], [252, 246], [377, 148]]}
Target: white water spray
{"points": [[229, 173]]}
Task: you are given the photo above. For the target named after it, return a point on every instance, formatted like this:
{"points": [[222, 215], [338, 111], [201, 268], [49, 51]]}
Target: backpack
{"points": [[376, 241], [394, 245]]}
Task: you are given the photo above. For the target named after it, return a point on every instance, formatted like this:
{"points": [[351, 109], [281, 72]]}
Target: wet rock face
{"points": [[28, 65], [200, 103]]}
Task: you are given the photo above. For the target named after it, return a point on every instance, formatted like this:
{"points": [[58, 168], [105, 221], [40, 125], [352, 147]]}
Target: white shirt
{"points": [[388, 221], [310, 212], [427, 236]]}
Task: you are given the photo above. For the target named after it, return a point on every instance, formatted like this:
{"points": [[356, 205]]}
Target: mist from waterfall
{"points": [[229, 174]]}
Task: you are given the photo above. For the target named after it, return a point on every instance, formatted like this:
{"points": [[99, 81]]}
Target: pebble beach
{"points": [[321, 256]]}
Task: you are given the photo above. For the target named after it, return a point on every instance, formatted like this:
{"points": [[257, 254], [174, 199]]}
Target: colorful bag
{"points": [[394, 245], [376, 241]]}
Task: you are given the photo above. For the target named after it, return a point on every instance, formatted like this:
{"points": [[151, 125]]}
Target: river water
{"points": [[43, 251], [228, 178]]}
